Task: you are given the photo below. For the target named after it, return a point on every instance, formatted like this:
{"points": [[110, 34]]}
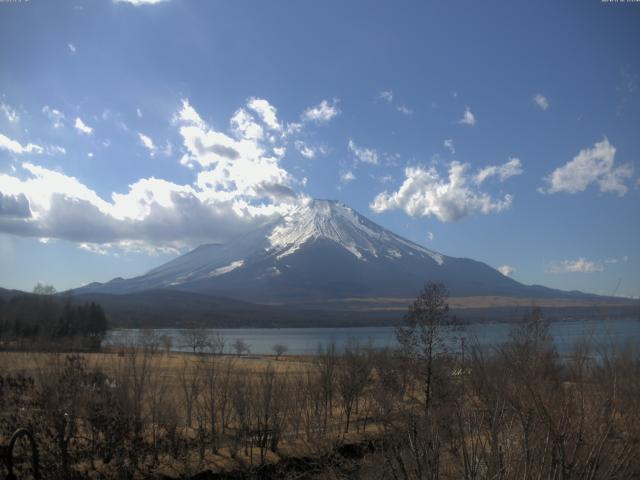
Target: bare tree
{"points": [[161, 412], [197, 339], [352, 378], [215, 397], [44, 289], [148, 339], [279, 349], [217, 343], [423, 336], [132, 377], [240, 346], [268, 412], [167, 342], [240, 403], [190, 383], [224, 393], [60, 397], [327, 362]]}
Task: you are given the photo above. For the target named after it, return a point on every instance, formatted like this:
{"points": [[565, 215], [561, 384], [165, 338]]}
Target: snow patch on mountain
{"points": [[227, 268], [435, 256]]}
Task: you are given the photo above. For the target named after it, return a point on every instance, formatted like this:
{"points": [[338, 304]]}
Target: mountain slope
{"points": [[321, 250]]}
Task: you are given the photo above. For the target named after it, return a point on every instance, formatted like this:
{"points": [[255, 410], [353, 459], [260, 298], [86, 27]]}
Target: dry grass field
{"points": [[517, 411], [482, 302], [186, 385], [171, 365]]}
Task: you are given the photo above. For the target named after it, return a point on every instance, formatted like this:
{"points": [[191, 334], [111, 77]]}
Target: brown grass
{"points": [[400, 303], [171, 365]]}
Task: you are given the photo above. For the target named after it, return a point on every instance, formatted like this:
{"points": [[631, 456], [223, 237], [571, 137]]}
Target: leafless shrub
{"points": [[353, 377], [196, 339], [240, 347], [279, 349]]}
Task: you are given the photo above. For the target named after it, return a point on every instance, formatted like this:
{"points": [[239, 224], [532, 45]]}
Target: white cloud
{"points": [[239, 185], [244, 166], [506, 170], [468, 118], [44, 183], [304, 149], [425, 193], [347, 176], [56, 116], [591, 165], [16, 147], [139, 112], [72, 48], [55, 150], [430, 236], [365, 155], [147, 143], [11, 114], [152, 214], [623, 259], [386, 95], [448, 144], [384, 178], [93, 248], [541, 101], [322, 113], [188, 115], [581, 265], [82, 127], [267, 112], [506, 270], [293, 129], [244, 125], [153, 149]]}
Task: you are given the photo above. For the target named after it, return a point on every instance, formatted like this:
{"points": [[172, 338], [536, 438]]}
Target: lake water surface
{"points": [[305, 341]]}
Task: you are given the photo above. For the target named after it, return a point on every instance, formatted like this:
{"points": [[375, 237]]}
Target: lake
{"points": [[305, 341]]}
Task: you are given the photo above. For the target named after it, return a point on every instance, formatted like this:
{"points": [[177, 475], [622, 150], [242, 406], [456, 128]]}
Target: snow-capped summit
{"points": [[321, 250], [336, 222]]}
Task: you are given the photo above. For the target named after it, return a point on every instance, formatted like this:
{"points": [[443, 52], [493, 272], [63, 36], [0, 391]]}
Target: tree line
{"points": [[42, 318]]}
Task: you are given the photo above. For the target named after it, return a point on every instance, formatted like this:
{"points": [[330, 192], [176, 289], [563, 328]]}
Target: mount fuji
{"points": [[321, 252]]}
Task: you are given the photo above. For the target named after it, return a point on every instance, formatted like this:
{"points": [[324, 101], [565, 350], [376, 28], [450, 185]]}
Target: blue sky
{"points": [[507, 132]]}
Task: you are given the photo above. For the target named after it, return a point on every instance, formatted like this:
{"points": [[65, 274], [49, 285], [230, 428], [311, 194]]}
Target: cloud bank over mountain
{"points": [[239, 184]]}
